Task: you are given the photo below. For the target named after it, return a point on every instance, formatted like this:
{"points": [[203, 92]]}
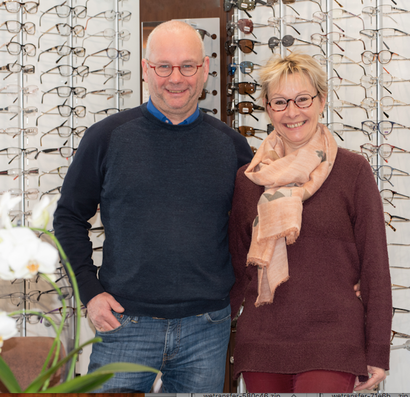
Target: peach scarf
{"points": [[289, 180]]}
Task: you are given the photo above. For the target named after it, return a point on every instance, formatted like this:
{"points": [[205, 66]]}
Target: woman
{"points": [[306, 225]]}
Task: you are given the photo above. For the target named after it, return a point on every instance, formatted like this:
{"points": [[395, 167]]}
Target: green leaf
{"points": [[89, 382], [81, 384], [35, 386], [8, 378]]}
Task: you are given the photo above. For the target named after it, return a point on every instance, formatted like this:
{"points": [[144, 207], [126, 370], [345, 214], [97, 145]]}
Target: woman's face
{"points": [[296, 126]]}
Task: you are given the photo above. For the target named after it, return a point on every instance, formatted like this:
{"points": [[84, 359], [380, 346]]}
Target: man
{"points": [[163, 174]]}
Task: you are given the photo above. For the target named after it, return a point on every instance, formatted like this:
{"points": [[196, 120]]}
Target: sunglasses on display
{"points": [[244, 88], [245, 45], [244, 108], [243, 5], [249, 132]]}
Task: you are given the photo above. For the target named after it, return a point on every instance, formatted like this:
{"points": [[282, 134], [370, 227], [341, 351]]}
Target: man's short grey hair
{"points": [[169, 27]]}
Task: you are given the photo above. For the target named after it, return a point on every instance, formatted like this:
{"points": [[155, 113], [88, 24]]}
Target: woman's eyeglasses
{"points": [[301, 101]]}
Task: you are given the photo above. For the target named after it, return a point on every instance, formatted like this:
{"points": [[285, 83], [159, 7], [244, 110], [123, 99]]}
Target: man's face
{"points": [[175, 96]]}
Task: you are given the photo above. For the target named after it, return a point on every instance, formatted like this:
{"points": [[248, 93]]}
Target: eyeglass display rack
{"points": [[337, 33], [95, 26]]}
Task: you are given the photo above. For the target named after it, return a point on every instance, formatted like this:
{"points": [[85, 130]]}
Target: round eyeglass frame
{"points": [[172, 70], [294, 101]]}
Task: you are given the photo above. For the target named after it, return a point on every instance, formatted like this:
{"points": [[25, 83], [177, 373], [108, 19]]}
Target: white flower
{"points": [[23, 254], [6, 204], [42, 211], [8, 327]]}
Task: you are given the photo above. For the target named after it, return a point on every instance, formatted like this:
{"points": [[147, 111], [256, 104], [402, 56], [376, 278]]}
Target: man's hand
{"points": [[356, 289], [378, 375], [99, 311]]}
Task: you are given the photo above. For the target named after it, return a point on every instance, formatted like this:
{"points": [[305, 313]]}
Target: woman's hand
{"points": [[377, 376]]}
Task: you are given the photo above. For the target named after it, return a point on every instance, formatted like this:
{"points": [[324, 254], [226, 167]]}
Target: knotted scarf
{"points": [[289, 181]]}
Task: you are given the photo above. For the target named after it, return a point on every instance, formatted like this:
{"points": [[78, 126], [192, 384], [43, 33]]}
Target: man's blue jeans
{"points": [[190, 352]]}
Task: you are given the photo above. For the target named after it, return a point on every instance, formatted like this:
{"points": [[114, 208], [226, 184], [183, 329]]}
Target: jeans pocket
{"points": [[219, 316], [123, 320]]}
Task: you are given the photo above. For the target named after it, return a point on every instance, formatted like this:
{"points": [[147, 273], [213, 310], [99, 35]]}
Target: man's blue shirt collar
{"points": [[160, 116]]}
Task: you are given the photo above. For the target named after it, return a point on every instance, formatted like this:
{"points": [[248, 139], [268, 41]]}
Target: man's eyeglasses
{"points": [[64, 11], [385, 172], [68, 70], [65, 91], [165, 70], [388, 195], [301, 101], [16, 26], [30, 7]]}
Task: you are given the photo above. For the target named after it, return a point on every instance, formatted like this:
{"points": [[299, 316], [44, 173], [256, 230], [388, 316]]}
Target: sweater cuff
{"points": [[378, 356]]}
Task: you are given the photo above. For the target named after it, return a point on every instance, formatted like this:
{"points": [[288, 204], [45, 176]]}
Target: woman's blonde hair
{"points": [[277, 69]]}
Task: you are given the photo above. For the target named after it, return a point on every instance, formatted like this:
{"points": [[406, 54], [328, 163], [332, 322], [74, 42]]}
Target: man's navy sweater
{"points": [[165, 194]]}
